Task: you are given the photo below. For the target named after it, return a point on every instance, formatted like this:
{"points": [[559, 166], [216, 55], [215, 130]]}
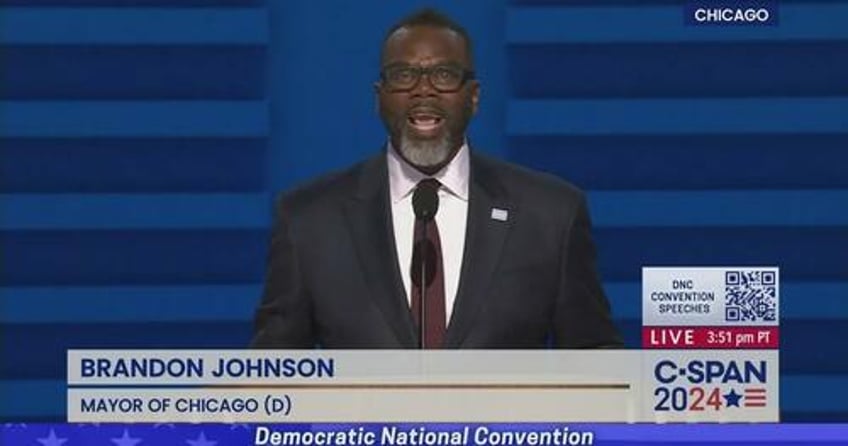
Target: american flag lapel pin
{"points": [[500, 214]]}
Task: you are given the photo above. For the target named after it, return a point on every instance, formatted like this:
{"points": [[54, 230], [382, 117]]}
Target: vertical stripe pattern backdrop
{"points": [[134, 202], [141, 143]]}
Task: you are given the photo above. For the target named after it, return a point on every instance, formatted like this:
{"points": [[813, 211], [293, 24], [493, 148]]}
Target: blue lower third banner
{"points": [[495, 434]]}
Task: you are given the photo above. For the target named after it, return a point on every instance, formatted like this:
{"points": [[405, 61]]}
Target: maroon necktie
{"points": [[428, 251]]}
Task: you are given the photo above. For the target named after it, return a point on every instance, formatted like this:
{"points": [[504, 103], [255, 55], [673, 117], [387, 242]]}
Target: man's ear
{"points": [[377, 86], [475, 97]]}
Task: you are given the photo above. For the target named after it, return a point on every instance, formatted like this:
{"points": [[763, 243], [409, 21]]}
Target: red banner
{"points": [[684, 337]]}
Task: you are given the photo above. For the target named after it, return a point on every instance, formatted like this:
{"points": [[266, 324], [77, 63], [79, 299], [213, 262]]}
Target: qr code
{"points": [[750, 296]]}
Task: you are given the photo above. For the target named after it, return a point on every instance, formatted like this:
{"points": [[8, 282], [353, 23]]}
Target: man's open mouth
{"points": [[425, 122]]}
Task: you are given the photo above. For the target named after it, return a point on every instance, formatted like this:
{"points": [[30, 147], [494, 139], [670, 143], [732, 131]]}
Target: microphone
{"points": [[425, 200], [425, 203], [423, 252]]}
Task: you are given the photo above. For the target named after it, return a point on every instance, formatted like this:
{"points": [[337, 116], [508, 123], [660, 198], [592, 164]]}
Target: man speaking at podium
{"points": [[430, 244]]}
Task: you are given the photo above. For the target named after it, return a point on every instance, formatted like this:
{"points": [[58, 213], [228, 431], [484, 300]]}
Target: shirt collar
{"points": [[403, 178]]}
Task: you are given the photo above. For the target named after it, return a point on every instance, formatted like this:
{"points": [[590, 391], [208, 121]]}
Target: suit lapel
{"points": [[484, 240], [369, 215]]}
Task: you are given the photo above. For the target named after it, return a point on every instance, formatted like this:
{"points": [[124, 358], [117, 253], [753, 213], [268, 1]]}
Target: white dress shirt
{"points": [[451, 217]]}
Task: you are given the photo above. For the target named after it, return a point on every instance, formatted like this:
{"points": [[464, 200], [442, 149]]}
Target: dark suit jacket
{"points": [[333, 278]]}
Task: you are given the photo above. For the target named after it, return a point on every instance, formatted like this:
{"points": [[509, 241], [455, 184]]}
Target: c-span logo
{"points": [[697, 385], [731, 13]]}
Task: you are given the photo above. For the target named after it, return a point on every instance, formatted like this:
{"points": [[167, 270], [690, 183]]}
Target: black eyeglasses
{"points": [[444, 78]]}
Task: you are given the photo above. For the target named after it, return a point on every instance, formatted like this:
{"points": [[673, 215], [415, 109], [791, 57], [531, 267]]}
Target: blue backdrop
{"points": [[143, 140]]}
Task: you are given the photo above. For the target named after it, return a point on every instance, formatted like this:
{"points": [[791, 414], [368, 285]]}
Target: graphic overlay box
{"points": [[293, 386], [732, 312], [712, 385], [710, 308]]}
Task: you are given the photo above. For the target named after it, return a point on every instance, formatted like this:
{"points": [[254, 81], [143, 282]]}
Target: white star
{"points": [[126, 440], [52, 439], [158, 425], [15, 425], [201, 441]]}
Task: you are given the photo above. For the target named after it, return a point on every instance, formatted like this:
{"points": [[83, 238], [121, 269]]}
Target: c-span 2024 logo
{"points": [[697, 385]]}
